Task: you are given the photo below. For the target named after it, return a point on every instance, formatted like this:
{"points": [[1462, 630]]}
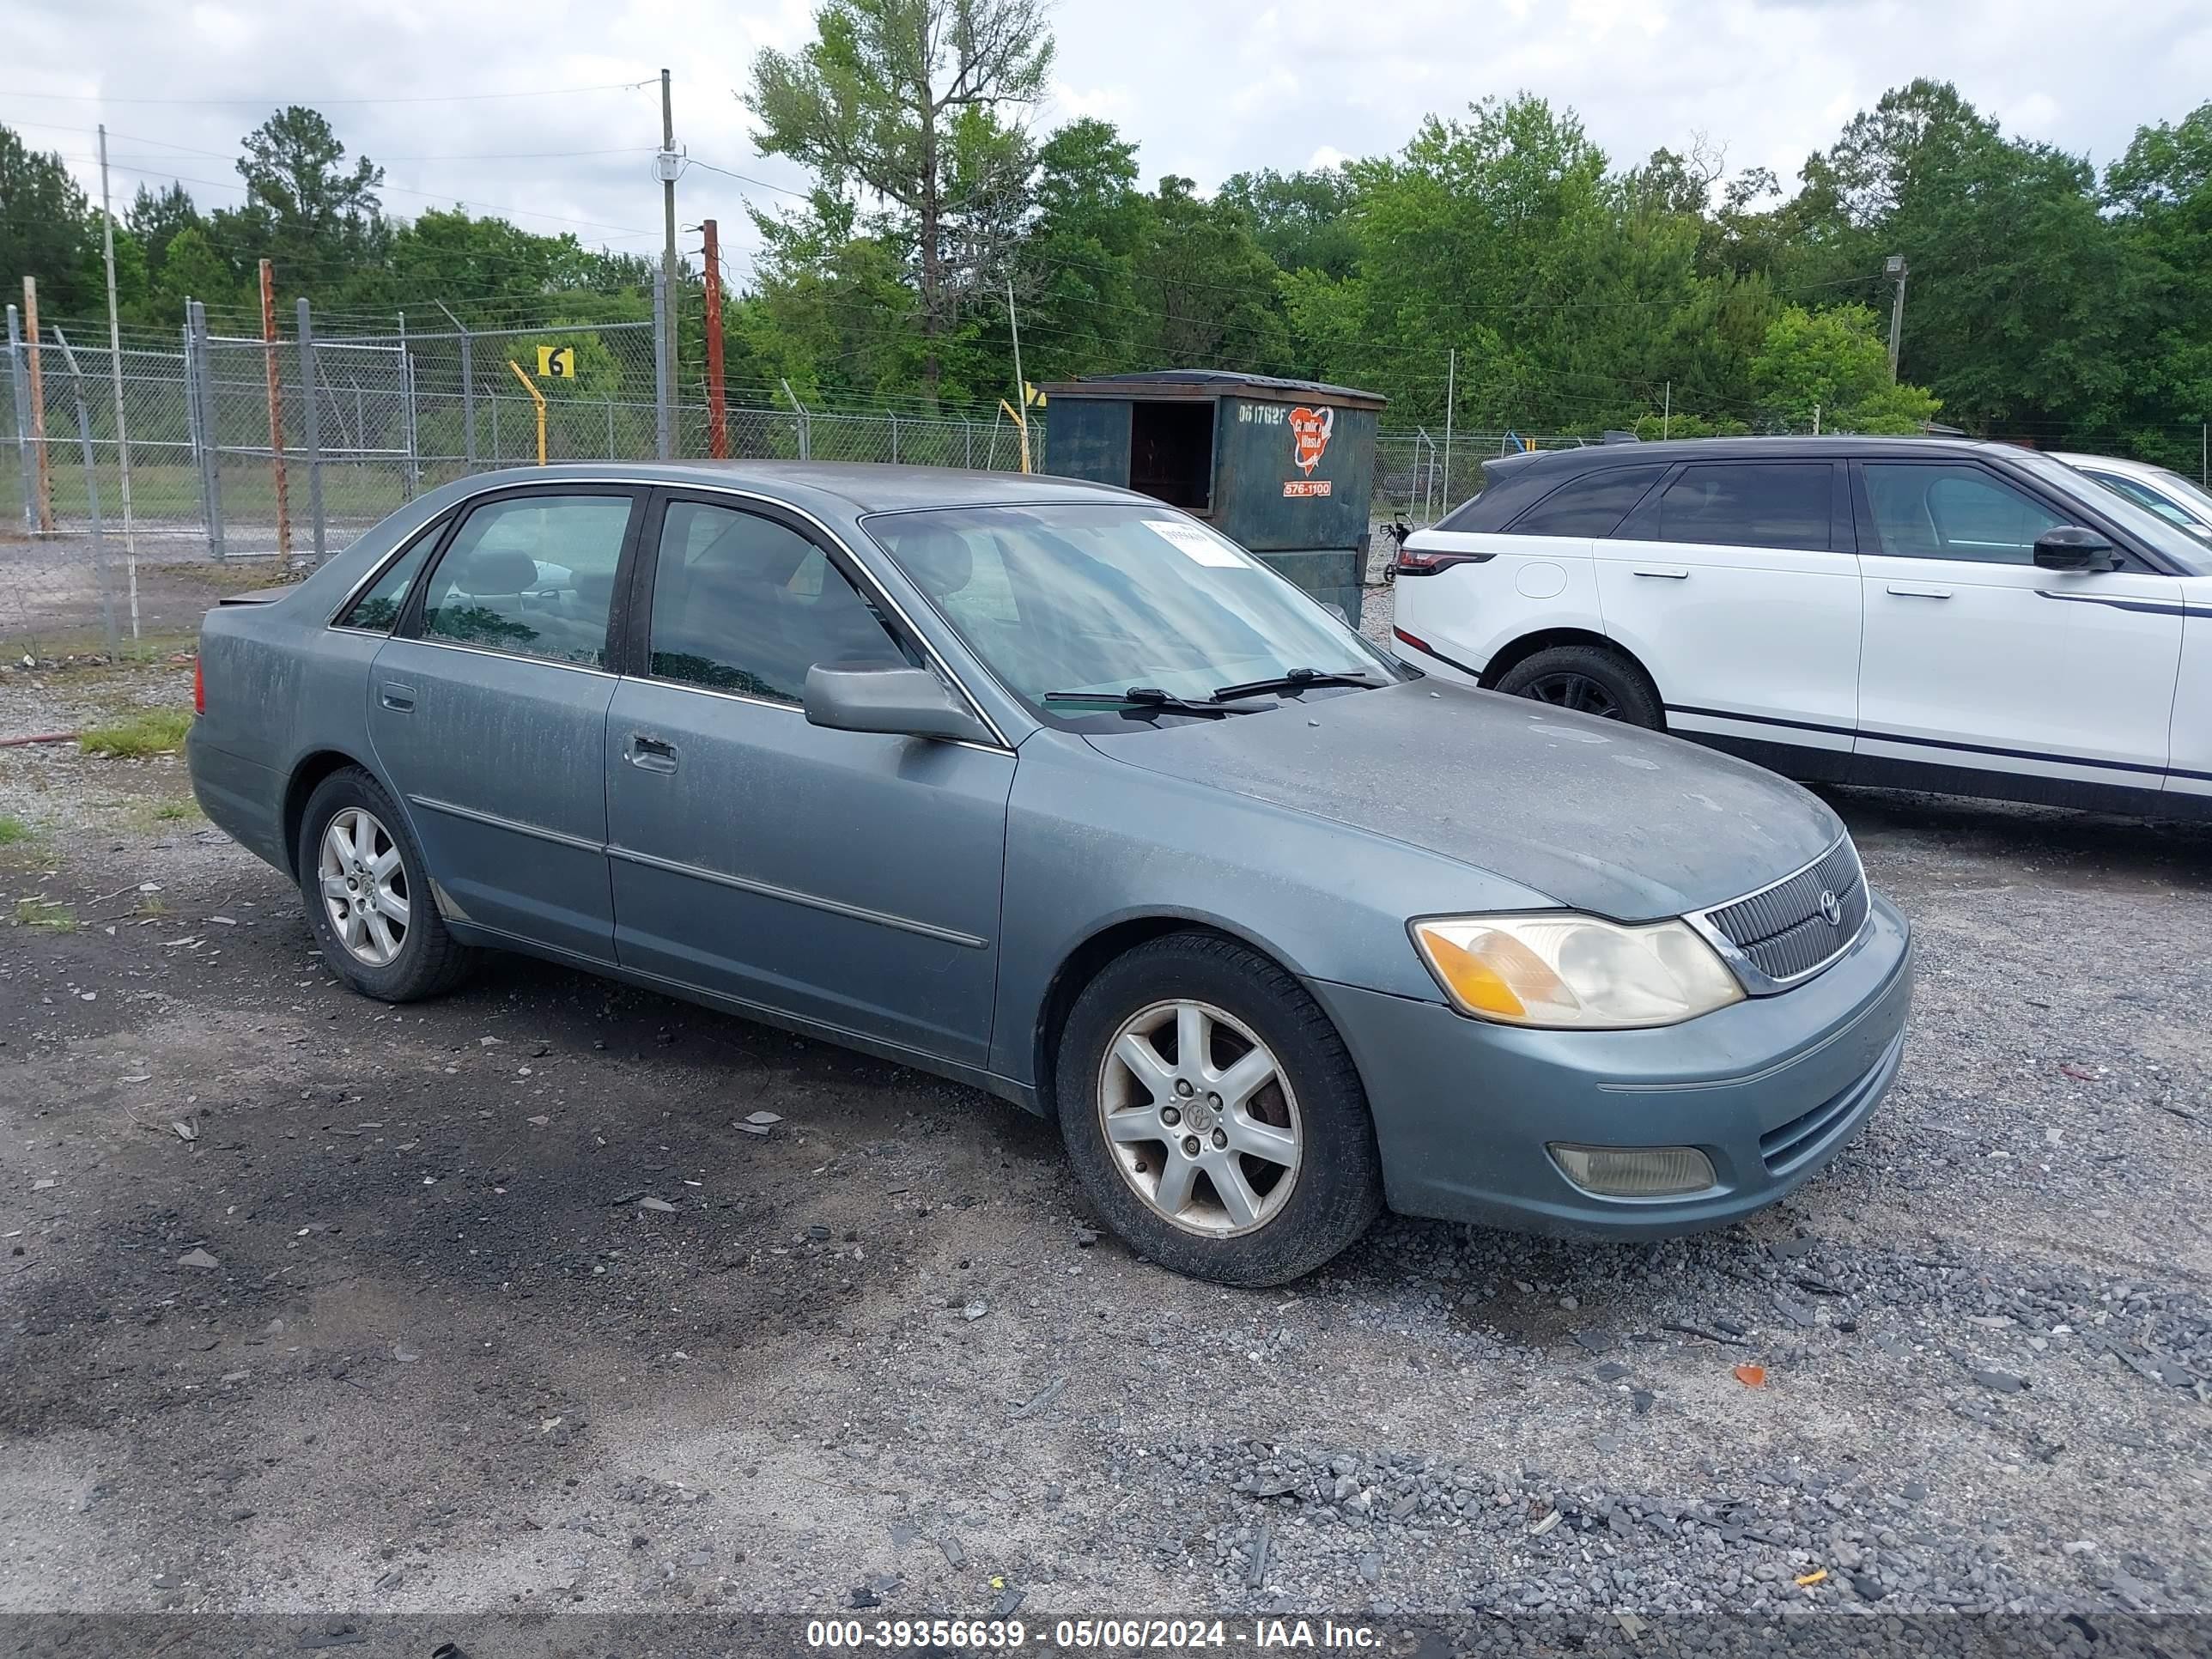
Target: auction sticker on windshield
{"points": [[1201, 545]]}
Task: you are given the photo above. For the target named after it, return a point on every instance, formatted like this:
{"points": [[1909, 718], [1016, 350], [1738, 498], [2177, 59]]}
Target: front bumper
{"points": [[1770, 1090]]}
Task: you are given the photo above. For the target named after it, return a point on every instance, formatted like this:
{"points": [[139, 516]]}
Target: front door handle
{"points": [[396, 697], [651, 754], [1908, 591], [1668, 572]]}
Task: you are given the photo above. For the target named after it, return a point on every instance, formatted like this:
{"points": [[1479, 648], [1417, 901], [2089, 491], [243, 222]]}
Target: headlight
{"points": [[1569, 971]]}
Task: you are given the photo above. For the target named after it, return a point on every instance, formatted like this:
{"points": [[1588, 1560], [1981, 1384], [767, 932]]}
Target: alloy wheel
{"points": [[1200, 1118], [1578, 692], [364, 886]]}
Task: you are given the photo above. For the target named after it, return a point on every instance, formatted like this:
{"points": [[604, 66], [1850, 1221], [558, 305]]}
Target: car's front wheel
{"points": [[367, 897], [1214, 1115], [1590, 681]]}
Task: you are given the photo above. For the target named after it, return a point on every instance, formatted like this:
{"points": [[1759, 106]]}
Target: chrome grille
{"points": [[1782, 929]]}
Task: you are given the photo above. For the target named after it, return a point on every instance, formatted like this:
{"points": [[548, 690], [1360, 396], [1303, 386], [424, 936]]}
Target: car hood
{"points": [[1601, 817]]}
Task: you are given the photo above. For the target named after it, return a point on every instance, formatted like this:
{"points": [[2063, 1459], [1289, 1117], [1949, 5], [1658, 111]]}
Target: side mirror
{"points": [[901, 702], [2069, 547]]}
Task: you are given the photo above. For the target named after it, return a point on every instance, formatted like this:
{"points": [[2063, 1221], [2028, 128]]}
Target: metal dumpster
{"points": [[1282, 467]]}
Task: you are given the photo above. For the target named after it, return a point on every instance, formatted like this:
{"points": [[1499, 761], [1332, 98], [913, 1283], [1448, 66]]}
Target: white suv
{"points": [[1922, 613], [2160, 489]]}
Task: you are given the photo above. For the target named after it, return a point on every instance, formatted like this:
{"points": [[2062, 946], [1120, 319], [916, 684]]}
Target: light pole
{"points": [[1895, 267]]}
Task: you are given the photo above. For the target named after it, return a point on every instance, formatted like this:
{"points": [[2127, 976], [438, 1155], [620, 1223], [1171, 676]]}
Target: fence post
{"points": [[468, 387], [805, 423], [91, 493], [968, 433], [895, 437], [46, 477], [22, 416], [407, 420], [210, 448], [611, 427], [276, 411], [308, 384], [663, 438], [718, 408]]}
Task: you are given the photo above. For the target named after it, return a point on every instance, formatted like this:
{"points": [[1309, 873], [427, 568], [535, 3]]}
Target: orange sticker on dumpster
{"points": [[1309, 430]]}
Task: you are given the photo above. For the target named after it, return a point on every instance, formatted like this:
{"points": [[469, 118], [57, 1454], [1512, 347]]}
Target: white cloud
{"points": [[1205, 89]]}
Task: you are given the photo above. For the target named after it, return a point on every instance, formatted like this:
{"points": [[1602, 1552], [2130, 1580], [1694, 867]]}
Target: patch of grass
{"points": [[42, 913], [169, 810], [14, 830], [150, 731]]}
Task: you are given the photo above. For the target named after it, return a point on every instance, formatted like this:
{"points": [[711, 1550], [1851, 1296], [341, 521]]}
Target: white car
{"points": [[2160, 489], [1915, 613]]}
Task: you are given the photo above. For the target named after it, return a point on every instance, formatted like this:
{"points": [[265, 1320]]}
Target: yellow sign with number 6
{"points": [[557, 363]]}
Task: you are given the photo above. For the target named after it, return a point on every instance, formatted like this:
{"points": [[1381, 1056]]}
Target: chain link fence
{"points": [[227, 461]]}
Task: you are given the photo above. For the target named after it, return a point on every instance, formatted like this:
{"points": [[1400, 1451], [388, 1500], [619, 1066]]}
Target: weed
{"points": [[150, 731]]}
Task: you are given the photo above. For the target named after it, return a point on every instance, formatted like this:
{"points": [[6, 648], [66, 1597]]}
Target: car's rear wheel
{"points": [[369, 898], [1590, 681], [1213, 1114]]}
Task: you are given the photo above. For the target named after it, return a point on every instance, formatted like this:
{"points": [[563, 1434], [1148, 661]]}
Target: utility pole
{"points": [[1451, 386], [276, 411], [1021, 387], [717, 410], [115, 375], [667, 164], [1894, 266]]}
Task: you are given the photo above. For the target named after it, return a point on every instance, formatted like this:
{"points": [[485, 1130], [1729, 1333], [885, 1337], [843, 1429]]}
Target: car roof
{"points": [[2110, 462], [1806, 447], [855, 487]]}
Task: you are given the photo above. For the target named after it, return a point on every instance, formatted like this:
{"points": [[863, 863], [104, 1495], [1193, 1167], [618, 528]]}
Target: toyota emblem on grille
{"points": [[1832, 907]]}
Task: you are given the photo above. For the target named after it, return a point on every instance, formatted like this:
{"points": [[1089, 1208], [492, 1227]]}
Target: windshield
{"points": [[1096, 599], [2169, 539]]}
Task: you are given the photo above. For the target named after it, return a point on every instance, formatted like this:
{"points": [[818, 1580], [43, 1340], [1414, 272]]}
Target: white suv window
{"points": [[1923, 511], [1784, 504]]}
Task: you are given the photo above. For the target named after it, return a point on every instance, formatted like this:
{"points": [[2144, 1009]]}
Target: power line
{"points": [[418, 98]]}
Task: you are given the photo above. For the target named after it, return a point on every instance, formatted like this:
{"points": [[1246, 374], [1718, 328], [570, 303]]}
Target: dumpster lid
{"points": [[1211, 383]]}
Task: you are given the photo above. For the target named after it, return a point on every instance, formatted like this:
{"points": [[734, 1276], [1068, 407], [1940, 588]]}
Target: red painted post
{"points": [[717, 410], [276, 411]]}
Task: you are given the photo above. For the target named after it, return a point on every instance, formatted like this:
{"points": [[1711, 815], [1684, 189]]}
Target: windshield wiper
{"points": [[1149, 698], [1296, 679]]}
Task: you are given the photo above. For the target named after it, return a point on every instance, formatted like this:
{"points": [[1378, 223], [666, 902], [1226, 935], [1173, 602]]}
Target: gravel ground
{"points": [[501, 1302]]}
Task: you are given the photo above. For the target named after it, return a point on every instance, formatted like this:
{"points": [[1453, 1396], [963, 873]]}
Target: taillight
{"points": [[199, 687], [1425, 562]]}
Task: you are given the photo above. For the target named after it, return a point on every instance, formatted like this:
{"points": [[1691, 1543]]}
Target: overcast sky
{"points": [[1205, 88]]}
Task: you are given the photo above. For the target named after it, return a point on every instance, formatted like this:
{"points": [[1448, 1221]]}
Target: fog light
{"points": [[1634, 1171]]}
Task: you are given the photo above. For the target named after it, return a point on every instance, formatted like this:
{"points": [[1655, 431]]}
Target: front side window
{"points": [[1923, 511], [530, 575], [1593, 505], [1750, 504], [1092, 600], [744, 604], [2143, 495]]}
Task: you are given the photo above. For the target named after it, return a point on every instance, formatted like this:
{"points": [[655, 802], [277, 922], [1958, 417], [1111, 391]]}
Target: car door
{"points": [[1736, 584], [1978, 658], [850, 878], [488, 712]]}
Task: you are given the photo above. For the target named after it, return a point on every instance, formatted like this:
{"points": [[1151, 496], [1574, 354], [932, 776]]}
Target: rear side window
{"points": [[378, 605], [1750, 504], [1593, 505], [532, 575]]}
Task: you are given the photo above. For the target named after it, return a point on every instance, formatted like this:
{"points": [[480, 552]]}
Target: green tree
{"points": [[155, 218], [1832, 364], [900, 99], [1207, 292], [1302, 221], [47, 227], [2159, 195], [191, 269], [316, 217]]}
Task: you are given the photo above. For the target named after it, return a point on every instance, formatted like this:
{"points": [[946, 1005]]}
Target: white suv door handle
{"points": [[1907, 590], [1670, 572]]}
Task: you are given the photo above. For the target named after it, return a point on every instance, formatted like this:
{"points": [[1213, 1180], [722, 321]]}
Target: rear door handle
{"points": [[393, 695], [651, 754], [1667, 572], [1907, 590]]}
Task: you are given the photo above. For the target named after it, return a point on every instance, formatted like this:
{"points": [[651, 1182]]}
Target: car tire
{"points": [[357, 857], [1240, 1216], [1588, 679]]}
